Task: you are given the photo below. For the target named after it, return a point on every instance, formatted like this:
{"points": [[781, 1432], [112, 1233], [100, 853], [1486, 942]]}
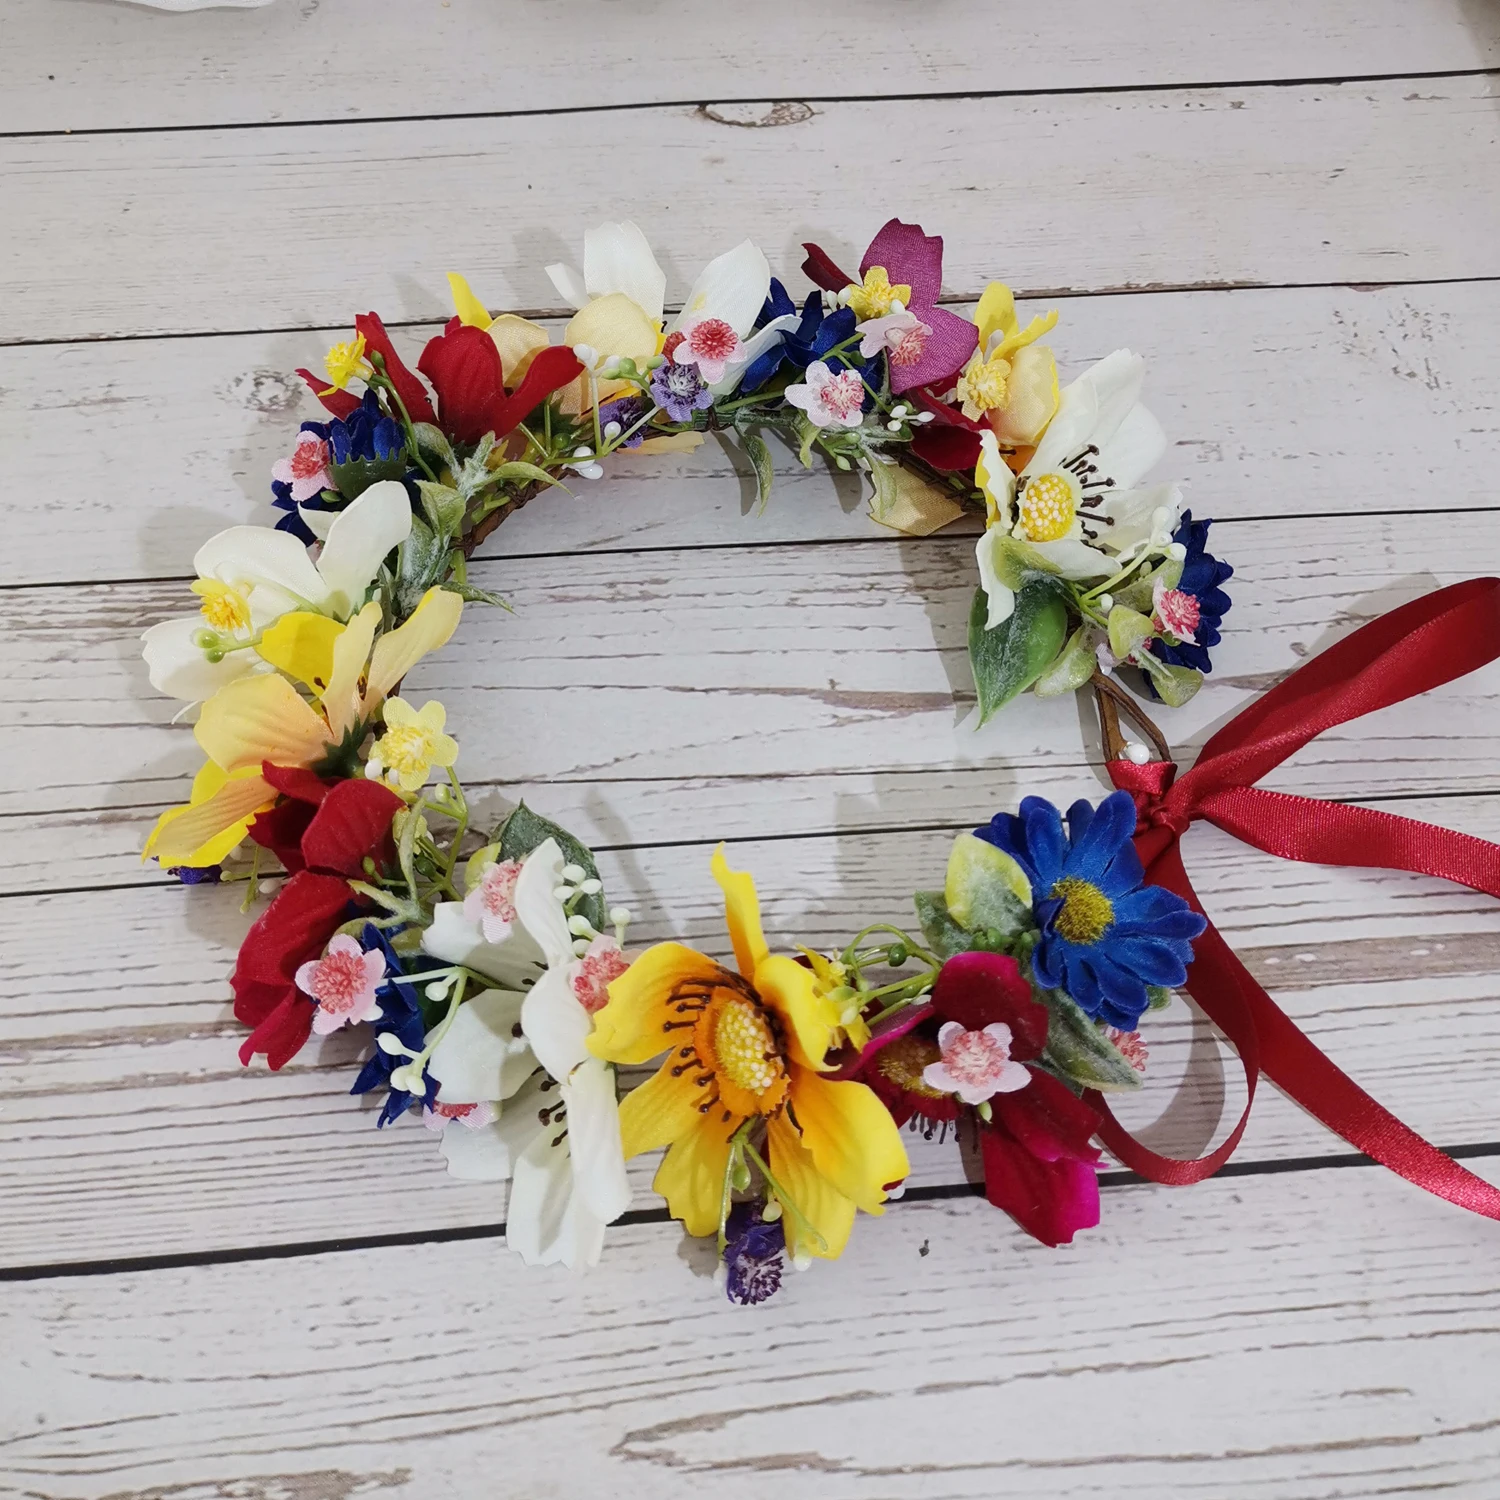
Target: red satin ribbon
{"points": [[1419, 646]]}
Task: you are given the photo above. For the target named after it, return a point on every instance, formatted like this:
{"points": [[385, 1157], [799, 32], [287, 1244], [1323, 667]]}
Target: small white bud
{"points": [[924, 417], [587, 355], [893, 427], [771, 1212], [583, 453], [611, 364], [897, 305], [575, 873], [1136, 753], [579, 925], [390, 1044], [563, 893], [1106, 602], [580, 946], [612, 430], [1160, 516], [591, 887], [1176, 551], [438, 989], [801, 1260], [620, 916], [900, 409]]}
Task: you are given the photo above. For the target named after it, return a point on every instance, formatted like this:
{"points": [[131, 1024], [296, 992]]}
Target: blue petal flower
{"points": [[401, 1013], [753, 1255], [815, 335], [1202, 573], [1105, 936], [365, 433]]}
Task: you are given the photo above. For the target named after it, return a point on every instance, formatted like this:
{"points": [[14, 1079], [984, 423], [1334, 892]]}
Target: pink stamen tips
{"points": [[492, 903], [307, 469], [975, 1065], [1176, 612], [1131, 1044], [344, 984], [591, 975], [439, 1116], [709, 343]]}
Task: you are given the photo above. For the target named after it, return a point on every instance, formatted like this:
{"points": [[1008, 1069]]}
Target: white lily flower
{"points": [[249, 576], [732, 287], [1076, 509], [457, 938], [616, 258]]}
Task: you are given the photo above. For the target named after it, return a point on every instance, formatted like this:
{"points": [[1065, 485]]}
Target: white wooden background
{"points": [[225, 1284]]}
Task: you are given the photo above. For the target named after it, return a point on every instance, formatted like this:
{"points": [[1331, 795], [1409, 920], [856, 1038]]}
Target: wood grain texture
{"points": [[735, 665], [1288, 401], [228, 230], [1312, 1337], [124, 1101], [107, 68]]}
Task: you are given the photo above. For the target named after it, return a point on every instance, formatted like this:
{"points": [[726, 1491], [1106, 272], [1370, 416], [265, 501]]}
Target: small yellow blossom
{"points": [[874, 298], [413, 743], [224, 607], [344, 362], [983, 385]]}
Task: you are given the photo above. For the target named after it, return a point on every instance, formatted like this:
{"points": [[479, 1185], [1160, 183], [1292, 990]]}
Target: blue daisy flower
{"points": [[401, 1013], [816, 334], [1202, 573], [1105, 935]]}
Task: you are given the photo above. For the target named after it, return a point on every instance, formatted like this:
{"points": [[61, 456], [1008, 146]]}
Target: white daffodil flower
{"points": [[249, 576], [1076, 509]]}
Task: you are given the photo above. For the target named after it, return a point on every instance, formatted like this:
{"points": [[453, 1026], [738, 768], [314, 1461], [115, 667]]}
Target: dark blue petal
{"points": [[1118, 986], [1049, 962], [1147, 960], [1045, 842]]}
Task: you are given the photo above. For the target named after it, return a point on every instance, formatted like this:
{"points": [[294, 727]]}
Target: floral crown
{"points": [[501, 1000]]}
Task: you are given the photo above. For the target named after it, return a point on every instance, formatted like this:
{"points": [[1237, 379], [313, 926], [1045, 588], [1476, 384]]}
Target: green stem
{"points": [[383, 382], [788, 1204]]}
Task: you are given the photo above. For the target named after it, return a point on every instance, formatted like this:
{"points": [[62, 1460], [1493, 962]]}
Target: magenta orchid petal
{"points": [[947, 350], [1048, 1120], [1050, 1200], [909, 257]]}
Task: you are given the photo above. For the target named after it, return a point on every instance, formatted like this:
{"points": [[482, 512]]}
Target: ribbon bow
{"points": [[1419, 646]]}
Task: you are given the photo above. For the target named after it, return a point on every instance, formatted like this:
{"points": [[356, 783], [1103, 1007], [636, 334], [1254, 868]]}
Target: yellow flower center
{"points": [[1049, 504], [408, 749], [983, 386], [903, 1060], [874, 298], [736, 1042], [1086, 911], [223, 605]]}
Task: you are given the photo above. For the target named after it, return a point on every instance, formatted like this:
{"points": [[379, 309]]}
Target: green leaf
{"points": [[1073, 667], [435, 441], [423, 560], [986, 890], [760, 458], [887, 491], [358, 474], [807, 435], [1128, 628], [1009, 658], [1078, 1048], [443, 505], [472, 594], [517, 469], [525, 830], [944, 936], [1138, 593], [1174, 685]]}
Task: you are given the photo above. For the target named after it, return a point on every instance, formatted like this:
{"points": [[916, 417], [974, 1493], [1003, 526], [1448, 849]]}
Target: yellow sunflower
{"points": [[746, 1049]]}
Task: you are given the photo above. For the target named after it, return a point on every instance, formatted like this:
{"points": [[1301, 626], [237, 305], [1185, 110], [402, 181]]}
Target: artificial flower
{"points": [[250, 576], [352, 824], [437, 1116], [753, 1258], [679, 391], [519, 340], [491, 903], [1075, 510], [746, 1047], [1105, 936], [783, 337], [346, 362], [1193, 608], [829, 399], [975, 1065], [709, 343], [235, 799], [902, 258], [901, 336], [265, 719], [412, 745], [1017, 391], [343, 982], [401, 1032], [624, 415], [1034, 1135], [306, 471], [617, 260]]}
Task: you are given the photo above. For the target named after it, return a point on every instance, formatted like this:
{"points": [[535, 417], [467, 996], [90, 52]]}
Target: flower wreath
{"points": [[494, 978]]}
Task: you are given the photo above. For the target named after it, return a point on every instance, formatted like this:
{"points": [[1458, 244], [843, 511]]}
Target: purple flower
{"points": [[204, 875], [753, 1256], [627, 411], [679, 391]]}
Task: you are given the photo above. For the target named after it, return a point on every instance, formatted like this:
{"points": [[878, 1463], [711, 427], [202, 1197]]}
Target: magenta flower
{"points": [[343, 982], [307, 469]]}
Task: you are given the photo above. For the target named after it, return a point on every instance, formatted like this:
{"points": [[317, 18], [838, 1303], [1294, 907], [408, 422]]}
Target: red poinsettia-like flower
{"points": [[964, 1056], [345, 823], [463, 363]]}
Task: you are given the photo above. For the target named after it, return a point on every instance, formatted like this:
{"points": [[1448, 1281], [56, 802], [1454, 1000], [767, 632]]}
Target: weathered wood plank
{"points": [[736, 664], [125, 1103], [353, 59], [1325, 1339], [1287, 401], [223, 230]]}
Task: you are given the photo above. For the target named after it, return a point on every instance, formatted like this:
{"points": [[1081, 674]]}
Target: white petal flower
{"points": [[616, 258], [490, 1153], [457, 939], [482, 1057], [732, 287]]}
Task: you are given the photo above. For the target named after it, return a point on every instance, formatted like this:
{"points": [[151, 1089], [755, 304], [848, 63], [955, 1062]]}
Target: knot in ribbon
{"points": [[1422, 645]]}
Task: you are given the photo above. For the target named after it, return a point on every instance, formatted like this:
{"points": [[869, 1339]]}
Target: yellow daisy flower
{"points": [[746, 1048]]}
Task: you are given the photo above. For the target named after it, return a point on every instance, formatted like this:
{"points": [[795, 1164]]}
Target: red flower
{"points": [[1038, 1161], [464, 367], [348, 822], [412, 392]]}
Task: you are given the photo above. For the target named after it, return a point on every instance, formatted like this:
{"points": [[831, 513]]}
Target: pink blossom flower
{"points": [[709, 343], [492, 902], [975, 1065], [1131, 1044], [900, 336], [343, 982], [307, 469], [589, 978], [1176, 612], [439, 1116], [830, 400]]}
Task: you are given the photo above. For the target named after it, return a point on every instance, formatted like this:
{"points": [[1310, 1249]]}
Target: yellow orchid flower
{"points": [[874, 298], [1011, 380], [413, 743], [746, 1047], [264, 718]]}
